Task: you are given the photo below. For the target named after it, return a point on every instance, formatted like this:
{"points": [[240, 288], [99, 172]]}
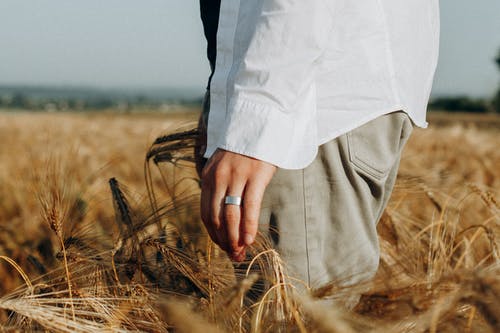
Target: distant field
{"points": [[490, 120], [96, 260]]}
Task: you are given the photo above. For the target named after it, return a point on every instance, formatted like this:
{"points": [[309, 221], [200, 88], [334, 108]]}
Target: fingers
{"points": [[232, 220], [205, 200], [233, 227], [254, 193], [213, 191], [216, 215]]}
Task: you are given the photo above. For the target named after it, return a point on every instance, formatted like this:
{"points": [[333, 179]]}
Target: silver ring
{"points": [[232, 200]]}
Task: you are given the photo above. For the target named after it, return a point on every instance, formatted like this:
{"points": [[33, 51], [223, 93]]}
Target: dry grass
{"points": [[81, 251]]}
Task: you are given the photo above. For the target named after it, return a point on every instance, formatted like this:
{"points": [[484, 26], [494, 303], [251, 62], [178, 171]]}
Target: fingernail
{"points": [[248, 239]]}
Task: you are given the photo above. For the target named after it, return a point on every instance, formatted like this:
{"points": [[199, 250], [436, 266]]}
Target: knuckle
{"points": [[251, 227], [214, 220], [231, 215], [221, 172], [250, 221], [238, 172], [252, 203], [251, 212]]}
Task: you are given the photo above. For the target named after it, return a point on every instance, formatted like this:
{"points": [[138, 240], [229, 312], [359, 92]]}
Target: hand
{"points": [[233, 227]]}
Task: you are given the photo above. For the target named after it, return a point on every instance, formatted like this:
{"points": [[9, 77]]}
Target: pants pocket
{"points": [[376, 146]]}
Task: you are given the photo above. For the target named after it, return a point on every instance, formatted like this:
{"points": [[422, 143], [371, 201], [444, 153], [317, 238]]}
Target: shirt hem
{"points": [[355, 124]]}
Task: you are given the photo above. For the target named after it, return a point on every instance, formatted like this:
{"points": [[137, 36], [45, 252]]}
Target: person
{"points": [[308, 107]]}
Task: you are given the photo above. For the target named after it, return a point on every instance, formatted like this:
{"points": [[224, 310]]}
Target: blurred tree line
{"points": [[20, 100], [23, 101], [468, 104]]}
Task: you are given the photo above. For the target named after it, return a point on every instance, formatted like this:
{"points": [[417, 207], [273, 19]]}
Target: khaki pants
{"points": [[322, 219]]}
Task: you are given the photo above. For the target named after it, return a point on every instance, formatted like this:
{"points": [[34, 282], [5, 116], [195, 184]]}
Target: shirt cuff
{"points": [[285, 139]]}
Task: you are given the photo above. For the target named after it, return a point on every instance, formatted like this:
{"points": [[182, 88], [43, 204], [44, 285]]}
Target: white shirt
{"points": [[291, 75]]}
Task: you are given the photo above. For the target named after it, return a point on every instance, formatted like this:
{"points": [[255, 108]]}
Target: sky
{"points": [[160, 44]]}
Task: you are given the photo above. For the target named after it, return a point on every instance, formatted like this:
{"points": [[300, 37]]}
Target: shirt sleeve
{"points": [[263, 102]]}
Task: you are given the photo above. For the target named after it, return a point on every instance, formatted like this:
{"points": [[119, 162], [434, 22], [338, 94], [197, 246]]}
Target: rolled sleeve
{"points": [[264, 97], [287, 140]]}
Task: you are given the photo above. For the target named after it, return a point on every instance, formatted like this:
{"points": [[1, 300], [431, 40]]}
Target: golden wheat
{"points": [[95, 239]]}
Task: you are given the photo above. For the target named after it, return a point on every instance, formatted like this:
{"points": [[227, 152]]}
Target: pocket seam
{"points": [[359, 163], [363, 165]]}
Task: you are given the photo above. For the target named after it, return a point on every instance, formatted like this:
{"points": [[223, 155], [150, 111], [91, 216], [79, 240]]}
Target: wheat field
{"points": [[99, 231]]}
